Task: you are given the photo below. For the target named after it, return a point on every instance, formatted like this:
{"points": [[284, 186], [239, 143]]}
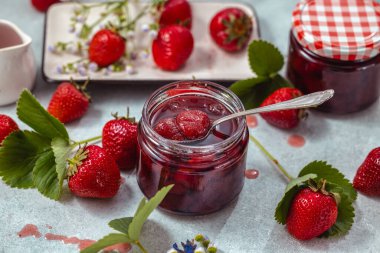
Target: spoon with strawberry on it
{"points": [[194, 126]]}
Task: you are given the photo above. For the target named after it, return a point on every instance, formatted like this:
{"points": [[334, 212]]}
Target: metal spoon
{"points": [[310, 100]]}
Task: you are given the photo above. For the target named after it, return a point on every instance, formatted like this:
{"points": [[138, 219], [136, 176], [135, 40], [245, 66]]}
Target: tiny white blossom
{"points": [[145, 28], [172, 251]]}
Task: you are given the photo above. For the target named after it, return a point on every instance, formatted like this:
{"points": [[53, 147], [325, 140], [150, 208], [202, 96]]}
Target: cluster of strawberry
{"points": [[94, 171]]}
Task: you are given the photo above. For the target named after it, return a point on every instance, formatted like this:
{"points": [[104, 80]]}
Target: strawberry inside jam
{"points": [[207, 174], [212, 108]]}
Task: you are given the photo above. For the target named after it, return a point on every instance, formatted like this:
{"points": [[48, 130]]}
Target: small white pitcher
{"points": [[17, 63]]}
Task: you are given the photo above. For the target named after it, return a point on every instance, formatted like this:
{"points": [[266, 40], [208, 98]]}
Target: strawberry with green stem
{"points": [[317, 203], [37, 158]]}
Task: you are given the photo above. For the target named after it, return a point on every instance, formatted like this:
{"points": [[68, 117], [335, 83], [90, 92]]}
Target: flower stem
{"points": [[287, 176], [141, 247], [77, 143]]}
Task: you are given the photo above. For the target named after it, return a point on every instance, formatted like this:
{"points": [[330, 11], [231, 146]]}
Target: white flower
{"points": [[200, 250], [145, 28], [130, 69], [153, 34], [172, 251]]}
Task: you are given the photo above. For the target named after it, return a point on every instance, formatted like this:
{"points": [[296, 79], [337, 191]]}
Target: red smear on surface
{"points": [[32, 230], [251, 174], [29, 230], [296, 141], [252, 121], [122, 180]]}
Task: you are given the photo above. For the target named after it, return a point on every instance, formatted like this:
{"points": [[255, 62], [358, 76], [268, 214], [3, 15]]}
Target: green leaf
{"points": [[45, 176], [346, 214], [281, 81], [61, 149], [299, 180], [142, 215], [264, 58], [332, 175], [291, 190], [242, 87], [141, 205], [121, 225], [106, 241], [283, 206], [18, 156], [30, 111]]}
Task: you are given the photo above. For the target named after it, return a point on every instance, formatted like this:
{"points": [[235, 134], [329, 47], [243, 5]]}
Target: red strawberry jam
{"points": [[207, 174]]}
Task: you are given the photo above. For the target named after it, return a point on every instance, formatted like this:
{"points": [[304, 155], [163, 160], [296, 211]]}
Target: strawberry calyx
{"points": [[76, 161], [127, 117], [81, 87], [320, 186], [237, 28]]}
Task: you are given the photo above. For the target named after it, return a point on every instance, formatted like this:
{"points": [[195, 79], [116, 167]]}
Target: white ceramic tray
{"points": [[207, 62]]}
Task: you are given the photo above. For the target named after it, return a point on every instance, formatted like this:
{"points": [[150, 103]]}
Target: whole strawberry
{"points": [[367, 178], [93, 173], [172, 47], [69, 102], [311, 213], [7, 126], [106, 47], [43, 5], [287, 118], [176, 12], [119, 139], [193, 124], [168, 129], [231, 29]]}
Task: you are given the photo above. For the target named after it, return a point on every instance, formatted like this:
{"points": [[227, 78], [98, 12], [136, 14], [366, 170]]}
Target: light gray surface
{"points": [[245, 226]]}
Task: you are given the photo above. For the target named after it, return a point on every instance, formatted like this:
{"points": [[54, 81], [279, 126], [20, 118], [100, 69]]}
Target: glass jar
{"points": [[207, 175], [334, 45]]}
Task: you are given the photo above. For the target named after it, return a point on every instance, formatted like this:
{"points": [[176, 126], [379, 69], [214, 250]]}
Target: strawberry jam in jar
{"points": [[334, 44], [207, 174]]}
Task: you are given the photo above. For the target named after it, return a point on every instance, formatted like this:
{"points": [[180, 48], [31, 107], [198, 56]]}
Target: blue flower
{"points": [[189, 247]]}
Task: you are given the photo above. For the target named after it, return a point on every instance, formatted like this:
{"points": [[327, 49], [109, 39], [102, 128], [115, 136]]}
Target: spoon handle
{"points": [[310, 100]]}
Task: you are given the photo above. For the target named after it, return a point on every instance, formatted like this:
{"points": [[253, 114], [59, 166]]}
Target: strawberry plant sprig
{"points": [[265, 61], [317, 203], [130, 227], [38, 158]]}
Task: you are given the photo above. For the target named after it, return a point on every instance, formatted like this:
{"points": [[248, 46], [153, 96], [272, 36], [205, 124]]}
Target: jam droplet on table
{"points": [[251, 174], [252, 121], [29, 230], [296, 141]]}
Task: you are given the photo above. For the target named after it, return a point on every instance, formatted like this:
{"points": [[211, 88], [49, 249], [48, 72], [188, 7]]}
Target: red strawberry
{"points": [[287, 118], [193, 124], [311, 213], [119, 139], [367, 178], [168, 129], [7, 126], [43, 5], [106, 47], [176, 12], [93, 173], [172, 47], [231, 29], [69, 102]]}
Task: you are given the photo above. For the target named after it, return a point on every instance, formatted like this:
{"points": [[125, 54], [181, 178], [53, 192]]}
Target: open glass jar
{"points": [[207, 175], [335, 44]]}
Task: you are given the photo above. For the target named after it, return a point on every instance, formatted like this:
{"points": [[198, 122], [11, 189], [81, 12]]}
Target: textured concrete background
{"points": [[245, 226]]}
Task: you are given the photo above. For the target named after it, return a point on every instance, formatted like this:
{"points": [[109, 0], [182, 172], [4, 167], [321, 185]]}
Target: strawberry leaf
{"points": [[346, 213], [18, 156], [30, 111], [332, 175], [121, 225], [264, 58], [61, 149], [242, 87], [142, 215], [106, 241], [292, 188]]}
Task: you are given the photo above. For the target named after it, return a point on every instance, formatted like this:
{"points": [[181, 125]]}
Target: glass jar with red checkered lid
{"points": [[335, 44]]}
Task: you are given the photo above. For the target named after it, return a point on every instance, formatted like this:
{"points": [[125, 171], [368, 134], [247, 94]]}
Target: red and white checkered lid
{"points": [[347, 30]]}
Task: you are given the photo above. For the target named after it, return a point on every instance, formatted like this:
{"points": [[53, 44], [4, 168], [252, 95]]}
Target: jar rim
{"points": [[175, 145]]}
